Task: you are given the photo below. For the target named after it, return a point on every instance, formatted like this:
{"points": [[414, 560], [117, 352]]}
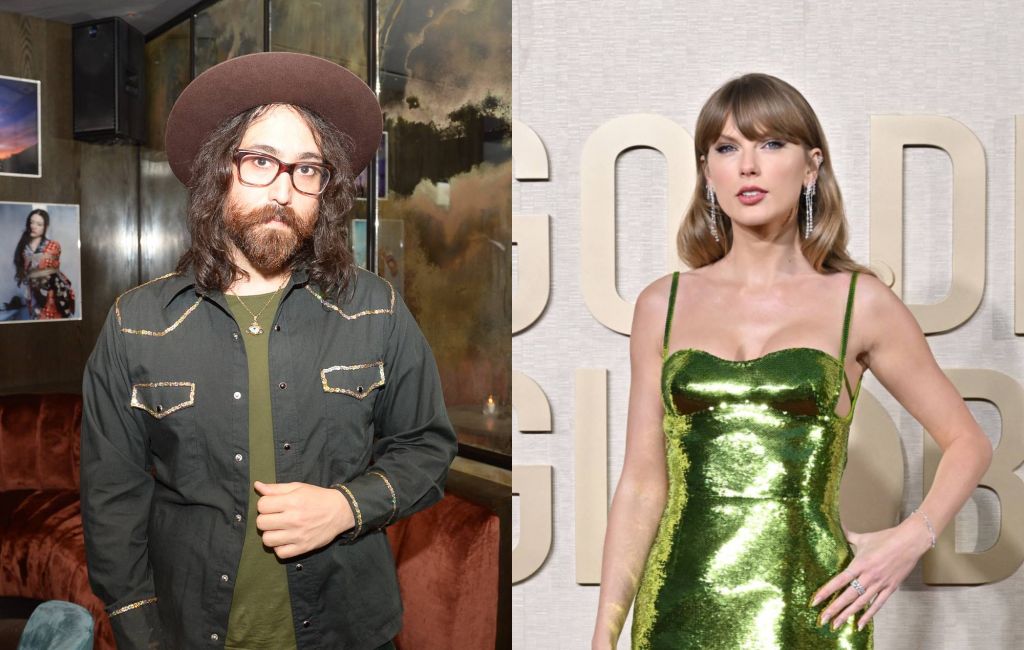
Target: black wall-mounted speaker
{"points": [[107, 81]]}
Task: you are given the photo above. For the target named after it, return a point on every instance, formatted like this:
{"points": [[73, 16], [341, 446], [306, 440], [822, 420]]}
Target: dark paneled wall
{"points": [[33, 48], [109, 177], [102, 179], [164, 201]]}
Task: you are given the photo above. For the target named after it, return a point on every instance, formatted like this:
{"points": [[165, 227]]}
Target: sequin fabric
{"points": [[751, 527]]}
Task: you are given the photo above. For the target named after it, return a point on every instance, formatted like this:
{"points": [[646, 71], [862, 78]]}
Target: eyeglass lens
{"points": [[258, 169]]}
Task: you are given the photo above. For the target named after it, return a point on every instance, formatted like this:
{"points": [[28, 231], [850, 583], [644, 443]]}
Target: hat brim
{"points": [[241, 83]]}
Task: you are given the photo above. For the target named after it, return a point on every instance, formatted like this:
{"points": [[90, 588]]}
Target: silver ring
{"points": [[856, 585]]}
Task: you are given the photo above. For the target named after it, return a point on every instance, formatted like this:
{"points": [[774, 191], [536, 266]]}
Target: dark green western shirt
{"points": [[356, 400]]}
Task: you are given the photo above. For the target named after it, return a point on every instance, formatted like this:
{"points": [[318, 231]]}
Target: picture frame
{"points": [[20, 127], [382, 172], [47, 287], [390, 249]]}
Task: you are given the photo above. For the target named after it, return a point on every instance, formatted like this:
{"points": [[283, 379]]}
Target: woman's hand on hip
{"points": [[882, 562]]}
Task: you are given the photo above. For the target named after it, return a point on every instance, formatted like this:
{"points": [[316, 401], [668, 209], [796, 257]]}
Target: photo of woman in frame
{"points": [[42, 240]]}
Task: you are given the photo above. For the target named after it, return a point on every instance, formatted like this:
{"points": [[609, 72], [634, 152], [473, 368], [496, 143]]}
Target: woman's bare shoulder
{"points": [[874, 296], [656, 292], [879, 305], [654, 296], [652, 303], [879, 314]]}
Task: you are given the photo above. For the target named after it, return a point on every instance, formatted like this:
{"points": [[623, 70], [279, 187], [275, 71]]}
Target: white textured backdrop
{"points": [[579, 63]]}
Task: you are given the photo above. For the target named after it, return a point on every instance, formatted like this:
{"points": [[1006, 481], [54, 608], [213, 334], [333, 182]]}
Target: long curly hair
{"points": [[764, 106], [327, 254], [20, 272]]}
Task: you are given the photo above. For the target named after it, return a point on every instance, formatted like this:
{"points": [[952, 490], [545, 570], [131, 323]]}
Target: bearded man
{"points": [[252, 422]]}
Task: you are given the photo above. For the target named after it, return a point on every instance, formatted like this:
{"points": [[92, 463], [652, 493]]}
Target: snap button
{"points": [[224, 577], [238, 517], [305, 623], [237, 395], [234, 335], [359, 389], [238, 458], [282, 385], [287, 446], [214, 637], [298, 567], [277, 328], [159, 408]]}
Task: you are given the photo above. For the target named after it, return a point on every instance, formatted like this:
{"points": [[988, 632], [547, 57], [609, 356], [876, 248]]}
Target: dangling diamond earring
{"points": [[714, 214], [809, 222]]}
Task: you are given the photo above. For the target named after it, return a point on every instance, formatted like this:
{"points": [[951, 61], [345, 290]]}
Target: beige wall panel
{"points": [[532, 483], [890, 134], [872, 487], [528, 154], [590, 447], [530, 236], [597, 204], [1018, 225], [944, 565]]}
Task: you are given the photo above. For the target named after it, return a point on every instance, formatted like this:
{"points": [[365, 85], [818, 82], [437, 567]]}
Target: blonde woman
{"points": [[745, 375]]}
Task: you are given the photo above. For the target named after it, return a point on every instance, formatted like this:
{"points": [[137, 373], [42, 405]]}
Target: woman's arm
{"points": [[899, 356], [897, 353], [51, 255], [641, 492]]}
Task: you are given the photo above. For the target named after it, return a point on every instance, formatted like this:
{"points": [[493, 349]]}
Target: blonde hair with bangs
{"points": [[765, 106]]}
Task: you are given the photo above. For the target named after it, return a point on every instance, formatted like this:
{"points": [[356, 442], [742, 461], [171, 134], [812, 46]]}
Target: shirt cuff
{"points": [[373, 501], [136, 624]]}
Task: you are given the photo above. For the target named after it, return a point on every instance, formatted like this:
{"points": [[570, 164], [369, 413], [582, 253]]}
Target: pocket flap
{"points": [[162, 398], [357, 380]]}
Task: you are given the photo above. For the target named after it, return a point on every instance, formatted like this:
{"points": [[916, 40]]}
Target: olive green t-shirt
{"points": [[261, 609]]}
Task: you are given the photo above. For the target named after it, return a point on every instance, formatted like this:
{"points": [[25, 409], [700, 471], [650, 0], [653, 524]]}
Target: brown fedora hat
{"points": [[238, 84]]}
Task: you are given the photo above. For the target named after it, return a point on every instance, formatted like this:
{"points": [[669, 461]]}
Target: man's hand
{"points": [[296, 518]]}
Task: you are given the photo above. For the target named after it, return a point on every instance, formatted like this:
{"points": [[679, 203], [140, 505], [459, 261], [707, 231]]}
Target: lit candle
{"points": [[490, 408]]}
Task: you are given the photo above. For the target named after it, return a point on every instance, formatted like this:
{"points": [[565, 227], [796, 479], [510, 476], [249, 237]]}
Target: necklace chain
{"points": [[255, 328]]}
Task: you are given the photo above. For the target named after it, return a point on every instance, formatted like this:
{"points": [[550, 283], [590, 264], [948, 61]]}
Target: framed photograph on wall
{"points": [[390, 249], [20, 122], [382, 172], [41, 280]]}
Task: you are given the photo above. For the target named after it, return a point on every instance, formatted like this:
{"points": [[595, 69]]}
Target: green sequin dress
{"points": [[751, 526]]}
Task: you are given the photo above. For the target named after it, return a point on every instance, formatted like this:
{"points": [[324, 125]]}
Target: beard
{"points": [[269, 249]]}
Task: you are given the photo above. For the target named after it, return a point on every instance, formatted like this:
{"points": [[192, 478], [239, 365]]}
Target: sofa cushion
{"points": [[42, 552], [447, 558], [39, 442]]}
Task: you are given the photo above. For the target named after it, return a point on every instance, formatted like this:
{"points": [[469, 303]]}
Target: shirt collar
{"points": [[181, 282]]}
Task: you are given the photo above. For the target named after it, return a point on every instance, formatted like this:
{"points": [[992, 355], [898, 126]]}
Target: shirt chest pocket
{"points": [[356, 380], [350, 391], [171, 424]]}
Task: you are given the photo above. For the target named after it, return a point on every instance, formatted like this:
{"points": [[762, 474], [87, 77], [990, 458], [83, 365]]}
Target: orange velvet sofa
{"points": [[447, 555]]}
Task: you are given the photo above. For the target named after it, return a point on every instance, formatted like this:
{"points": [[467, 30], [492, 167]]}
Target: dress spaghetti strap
{"points": [[846, 333], [668, 317]]}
